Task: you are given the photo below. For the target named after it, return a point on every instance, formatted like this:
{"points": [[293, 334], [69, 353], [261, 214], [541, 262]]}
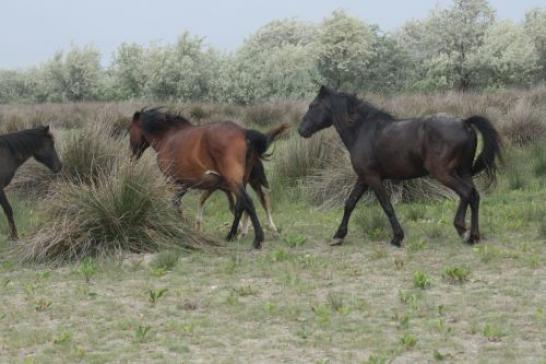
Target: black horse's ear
{"points": [[46, 129], [136, 116], [324, 90]]}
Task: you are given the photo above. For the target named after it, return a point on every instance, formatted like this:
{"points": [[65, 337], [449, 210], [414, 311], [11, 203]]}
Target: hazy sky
{"points": [[32, 30]]}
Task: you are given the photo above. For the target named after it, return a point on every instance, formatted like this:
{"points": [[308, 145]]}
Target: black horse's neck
{"points": [[347, 133], [20, 145], [356, 115]]}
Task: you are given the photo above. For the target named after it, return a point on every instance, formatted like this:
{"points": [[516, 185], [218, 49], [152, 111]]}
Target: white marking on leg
{"points": [[245, 223], [267, 207]]}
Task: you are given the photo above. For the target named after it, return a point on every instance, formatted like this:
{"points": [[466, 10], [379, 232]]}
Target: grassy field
{"points": [[297, 300]]}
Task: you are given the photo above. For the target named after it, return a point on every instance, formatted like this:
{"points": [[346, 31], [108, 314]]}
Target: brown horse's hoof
{"points": [[336, 242]]}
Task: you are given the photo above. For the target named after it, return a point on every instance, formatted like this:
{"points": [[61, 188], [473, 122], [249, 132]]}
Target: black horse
{"points": [[15, 149], [383, 147]]}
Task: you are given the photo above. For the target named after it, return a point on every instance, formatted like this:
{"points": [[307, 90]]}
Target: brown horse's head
{"points": [[319, 116], [136, 137]]}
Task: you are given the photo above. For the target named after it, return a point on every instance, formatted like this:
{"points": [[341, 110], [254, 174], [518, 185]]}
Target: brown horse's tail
{"points": [[259, 142], [491, 150]]}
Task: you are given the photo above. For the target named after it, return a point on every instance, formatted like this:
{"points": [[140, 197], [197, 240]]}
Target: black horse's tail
{"points": [[260, 142], [491, 150]]}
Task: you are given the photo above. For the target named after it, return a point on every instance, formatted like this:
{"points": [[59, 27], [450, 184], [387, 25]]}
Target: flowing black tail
{"points": [[491, 150], [260, 142]]}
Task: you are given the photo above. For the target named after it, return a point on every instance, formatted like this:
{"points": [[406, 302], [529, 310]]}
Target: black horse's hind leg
{"points": [[384, 200], [464, 187], [9, 214], [459, 221], [474, 225], [358, 190], [244, 203]]}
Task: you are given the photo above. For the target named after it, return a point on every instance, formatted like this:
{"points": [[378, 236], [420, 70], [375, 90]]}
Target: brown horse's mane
{"points": [[358, 110], [155, 121]]}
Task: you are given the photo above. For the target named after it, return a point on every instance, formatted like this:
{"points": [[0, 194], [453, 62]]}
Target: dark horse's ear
{"points": [[324, 91], [136, 116], [46, 129]]}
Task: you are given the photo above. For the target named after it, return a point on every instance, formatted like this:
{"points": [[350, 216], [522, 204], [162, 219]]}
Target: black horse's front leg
{"points": [[384, 200], [358, 190], [9, 214]]}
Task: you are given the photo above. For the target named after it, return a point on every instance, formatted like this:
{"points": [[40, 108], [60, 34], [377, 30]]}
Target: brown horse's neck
{"points": [[156, 140]]}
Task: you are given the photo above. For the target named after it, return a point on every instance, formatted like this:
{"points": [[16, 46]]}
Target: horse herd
{"points": [[225, 156]]}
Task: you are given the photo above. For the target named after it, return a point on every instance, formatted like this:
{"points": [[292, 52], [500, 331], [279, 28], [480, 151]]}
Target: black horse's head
{"points": [[320, 113], [46, 153]]}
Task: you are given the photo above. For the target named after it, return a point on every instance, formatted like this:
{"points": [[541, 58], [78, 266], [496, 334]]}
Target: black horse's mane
{"points": [[363, 110], [155, 121], [25, 141]]}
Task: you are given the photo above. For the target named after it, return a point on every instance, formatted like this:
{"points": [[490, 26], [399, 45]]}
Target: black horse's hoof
{"points": [[397, 242], [257, 244], [336, 242], [472, 240], [230, 237]]}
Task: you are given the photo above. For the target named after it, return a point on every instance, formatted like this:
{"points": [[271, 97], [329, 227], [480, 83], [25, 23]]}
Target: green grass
{"points": [[298, 299]]}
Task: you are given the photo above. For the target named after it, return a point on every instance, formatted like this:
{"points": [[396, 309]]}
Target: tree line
{"points": [[461, 47]]}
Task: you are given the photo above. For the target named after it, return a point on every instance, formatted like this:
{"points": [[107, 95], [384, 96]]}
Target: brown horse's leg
{"points": [[264, 195], [377, 186], [177, 198], [244, 203], [9, 214], [358, 190]]}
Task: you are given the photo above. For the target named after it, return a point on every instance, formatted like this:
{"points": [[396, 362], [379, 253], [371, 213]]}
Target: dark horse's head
{"points": [[138, 141], [44, 150], [149, 125], [320, 114]]}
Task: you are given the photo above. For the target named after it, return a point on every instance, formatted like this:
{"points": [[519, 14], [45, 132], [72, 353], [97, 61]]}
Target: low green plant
{"points": [[456, 274], [142, 333], [421, 280], [165, 260], [408, 341], [294, 240], [155, 294], [493, 332], [87, 268]]}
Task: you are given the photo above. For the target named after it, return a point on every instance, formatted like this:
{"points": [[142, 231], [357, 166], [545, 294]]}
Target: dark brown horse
{"points": [[210, 157], [383, 147], [15, 149]]}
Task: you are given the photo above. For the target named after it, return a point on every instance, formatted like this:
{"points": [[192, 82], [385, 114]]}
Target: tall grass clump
{"points": [[125, 209], [89, 153]]}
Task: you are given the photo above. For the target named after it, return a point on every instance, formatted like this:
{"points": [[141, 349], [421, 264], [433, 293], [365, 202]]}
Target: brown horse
{"points": [[210, 157], [15, 149], [383, 147]]}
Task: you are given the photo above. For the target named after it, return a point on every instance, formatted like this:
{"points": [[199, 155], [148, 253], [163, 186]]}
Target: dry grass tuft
{"points": [[124, 210]]}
